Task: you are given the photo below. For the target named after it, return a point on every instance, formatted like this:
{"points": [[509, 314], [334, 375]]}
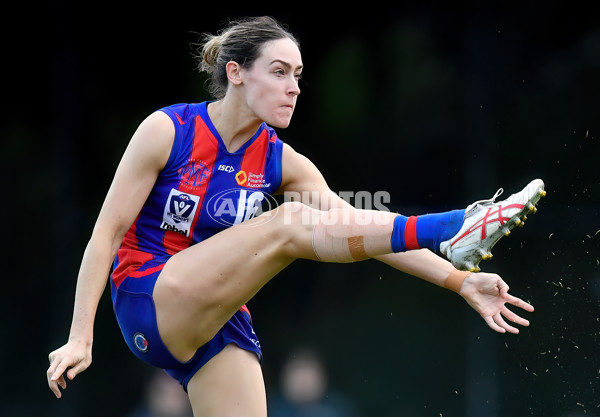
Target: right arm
{"points": [[145, 156]]}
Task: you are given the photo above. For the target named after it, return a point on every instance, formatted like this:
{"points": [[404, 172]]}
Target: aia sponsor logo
{"points": [[235, 206]]}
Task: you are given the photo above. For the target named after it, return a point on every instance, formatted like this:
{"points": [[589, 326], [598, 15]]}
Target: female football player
{"points": [[179, 228]]}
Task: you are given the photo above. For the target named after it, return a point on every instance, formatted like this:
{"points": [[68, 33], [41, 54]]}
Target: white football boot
{"points": [[486, 221]]}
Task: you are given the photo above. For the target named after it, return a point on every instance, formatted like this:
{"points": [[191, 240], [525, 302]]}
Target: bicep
{"points": [[302, 181], [144, 158]]}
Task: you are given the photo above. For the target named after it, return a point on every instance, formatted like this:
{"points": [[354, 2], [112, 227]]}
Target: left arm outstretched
{"points": [[486, 293]]}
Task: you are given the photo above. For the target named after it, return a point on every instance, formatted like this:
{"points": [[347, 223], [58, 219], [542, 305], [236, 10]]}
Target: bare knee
{"points": [[294, 226], [333, 235], [294, 213]]}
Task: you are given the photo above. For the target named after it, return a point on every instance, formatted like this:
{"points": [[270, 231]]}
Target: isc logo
{"points": [[226, 168]]}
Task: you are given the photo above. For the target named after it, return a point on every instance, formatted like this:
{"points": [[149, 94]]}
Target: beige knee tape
{"points": [[328, 248], [455, 280]]}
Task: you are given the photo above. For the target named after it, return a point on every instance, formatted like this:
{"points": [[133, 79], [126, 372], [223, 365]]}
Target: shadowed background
{"points": [[437, 104]]}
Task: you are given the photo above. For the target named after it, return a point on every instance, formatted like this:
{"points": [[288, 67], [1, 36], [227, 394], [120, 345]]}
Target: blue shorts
{"points": [[136, 314]]}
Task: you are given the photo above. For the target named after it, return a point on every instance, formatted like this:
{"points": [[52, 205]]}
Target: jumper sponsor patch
{"points": [[235, 206], [140, 342], [251, 180], [179, 212]]}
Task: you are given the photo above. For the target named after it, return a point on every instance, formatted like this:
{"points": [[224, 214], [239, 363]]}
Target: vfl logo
{"points": [[179, 212], [235, 206], [195, 173]]}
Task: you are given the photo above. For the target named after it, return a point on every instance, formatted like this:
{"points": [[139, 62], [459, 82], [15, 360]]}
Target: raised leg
{"points": [[200, 288]]}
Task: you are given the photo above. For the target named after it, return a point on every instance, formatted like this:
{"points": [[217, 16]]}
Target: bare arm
{"points": [[303, 181], [143, 159], [485, 293], [302, 178], [421, 263]]}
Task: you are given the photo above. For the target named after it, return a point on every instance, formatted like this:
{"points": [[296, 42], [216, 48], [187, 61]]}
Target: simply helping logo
{"points": [[235, 206], [179, 212]]}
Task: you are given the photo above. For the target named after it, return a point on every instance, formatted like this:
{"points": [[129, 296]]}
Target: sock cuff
{"points": [[425, 231], [398, 244], [410, 233]]}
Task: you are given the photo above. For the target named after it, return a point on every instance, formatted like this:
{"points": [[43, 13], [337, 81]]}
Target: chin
{"points": [[282, 125], [279, 124]]}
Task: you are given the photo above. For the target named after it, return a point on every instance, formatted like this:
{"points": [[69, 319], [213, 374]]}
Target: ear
{"points": [[233, 72]]}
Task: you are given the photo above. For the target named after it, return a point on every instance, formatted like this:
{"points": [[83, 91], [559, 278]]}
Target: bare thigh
{"points": [[229, 385], [201, 287]]}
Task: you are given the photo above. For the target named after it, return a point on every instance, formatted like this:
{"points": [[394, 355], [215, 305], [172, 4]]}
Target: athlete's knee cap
{"points": [[295, 212]]}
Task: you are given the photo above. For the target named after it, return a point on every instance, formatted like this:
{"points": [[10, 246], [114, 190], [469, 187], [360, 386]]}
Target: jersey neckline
{"points": [[203, 111]]}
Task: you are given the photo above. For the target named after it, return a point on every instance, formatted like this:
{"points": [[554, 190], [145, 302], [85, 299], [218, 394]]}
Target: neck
{"points": [[235, 124]]}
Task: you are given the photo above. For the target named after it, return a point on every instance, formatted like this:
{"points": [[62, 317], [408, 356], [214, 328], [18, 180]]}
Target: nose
{"points": [[294, 88]]}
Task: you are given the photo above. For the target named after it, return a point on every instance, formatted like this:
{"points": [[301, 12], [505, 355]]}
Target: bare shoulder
{"points": [[152, 141], [299, 172], [146, 155], [157, 127], [290, 157]]}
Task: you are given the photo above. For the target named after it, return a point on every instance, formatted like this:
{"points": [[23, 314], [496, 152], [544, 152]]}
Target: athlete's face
{"points": [[271, 84]]}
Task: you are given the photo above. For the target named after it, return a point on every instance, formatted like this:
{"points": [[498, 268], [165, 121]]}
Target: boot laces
{"points": [[485, 202]]}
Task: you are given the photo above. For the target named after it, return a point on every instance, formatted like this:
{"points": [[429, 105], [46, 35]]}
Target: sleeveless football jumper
{"points": [[202, 190]]}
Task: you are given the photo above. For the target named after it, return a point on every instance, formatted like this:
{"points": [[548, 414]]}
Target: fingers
{"points": [[492, 324], [490, 301], [502, 286], [61, 381], [497, 323], [74, 371], [66, 363], [514, 317], [60, 370], [517, 302], [54, 388], [55, 375], [54, 382], [500, 322]]}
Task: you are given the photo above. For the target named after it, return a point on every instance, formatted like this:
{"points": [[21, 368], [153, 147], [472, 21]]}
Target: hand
{"points": [[75, 355], [488, 294]]}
